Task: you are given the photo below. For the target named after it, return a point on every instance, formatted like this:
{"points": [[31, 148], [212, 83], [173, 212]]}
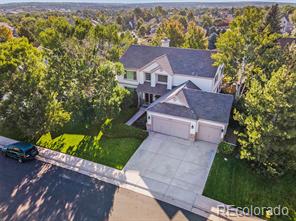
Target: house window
{"points": [[130, 75], [147, 77], [162, 78]]}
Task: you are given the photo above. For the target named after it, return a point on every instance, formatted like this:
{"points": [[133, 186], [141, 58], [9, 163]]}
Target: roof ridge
{"points": [[188, 101], [209, 92], [189, 49]]}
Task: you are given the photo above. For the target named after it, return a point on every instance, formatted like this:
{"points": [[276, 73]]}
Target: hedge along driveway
{"points": [[112, 146]]}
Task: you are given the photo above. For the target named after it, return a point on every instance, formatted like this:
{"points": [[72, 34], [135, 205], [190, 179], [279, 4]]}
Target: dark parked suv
{"points": [[20, 151]]}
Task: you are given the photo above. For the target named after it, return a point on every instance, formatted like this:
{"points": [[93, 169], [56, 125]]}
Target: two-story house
{"points": [[181, 89], [153, 71]]}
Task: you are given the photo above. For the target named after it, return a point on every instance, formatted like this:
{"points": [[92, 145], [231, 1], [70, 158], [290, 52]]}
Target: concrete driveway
{"points": [[173, 167]]}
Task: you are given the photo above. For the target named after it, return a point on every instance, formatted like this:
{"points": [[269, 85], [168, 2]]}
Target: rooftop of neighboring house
{"points": [[198, 104], [286, 41], [183, 61], [6, 25]]}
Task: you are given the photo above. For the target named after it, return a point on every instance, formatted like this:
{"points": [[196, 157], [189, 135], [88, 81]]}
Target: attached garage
{"points": [[209, 133], [190, 113], [171, 127]]}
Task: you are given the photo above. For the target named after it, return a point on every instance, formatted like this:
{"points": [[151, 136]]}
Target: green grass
{"points": [[112, 146], [233, 182]]}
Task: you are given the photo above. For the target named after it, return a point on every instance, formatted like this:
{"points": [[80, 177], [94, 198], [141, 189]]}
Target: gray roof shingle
{"points": [[202, 105], [159, 89], [183, 61]]}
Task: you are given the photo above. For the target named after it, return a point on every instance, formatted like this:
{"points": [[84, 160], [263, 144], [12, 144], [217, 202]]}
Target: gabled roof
{"points": [[183, 61], [175, 90], [201, 105]]}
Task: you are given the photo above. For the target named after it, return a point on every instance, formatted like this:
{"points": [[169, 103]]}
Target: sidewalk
{"points": [[131, 180]]}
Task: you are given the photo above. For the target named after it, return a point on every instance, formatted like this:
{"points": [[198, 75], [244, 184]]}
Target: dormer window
{"points": [[130, 75], [162, 79], [147, 77]]}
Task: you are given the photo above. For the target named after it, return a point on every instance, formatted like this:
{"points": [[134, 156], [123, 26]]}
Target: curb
{"points": [[204, 211], [126, 185]]}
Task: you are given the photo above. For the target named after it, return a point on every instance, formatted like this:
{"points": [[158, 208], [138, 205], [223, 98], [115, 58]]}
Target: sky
{"points": [[144, 1]]}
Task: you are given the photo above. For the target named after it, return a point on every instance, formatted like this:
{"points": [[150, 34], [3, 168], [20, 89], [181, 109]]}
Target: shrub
{"points": [[226, 148]]}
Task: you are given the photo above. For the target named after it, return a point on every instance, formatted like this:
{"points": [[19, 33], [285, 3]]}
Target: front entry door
{"points": [[148, 98]]}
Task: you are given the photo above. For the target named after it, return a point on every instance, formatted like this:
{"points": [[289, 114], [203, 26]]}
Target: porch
{"points": [[147, 94]]}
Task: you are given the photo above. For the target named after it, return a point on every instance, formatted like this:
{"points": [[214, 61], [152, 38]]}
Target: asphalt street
{"points": [[36, 191]]}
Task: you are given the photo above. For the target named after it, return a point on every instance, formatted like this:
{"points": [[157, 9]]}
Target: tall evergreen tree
{"points": [[272, 19], [212, 41]]}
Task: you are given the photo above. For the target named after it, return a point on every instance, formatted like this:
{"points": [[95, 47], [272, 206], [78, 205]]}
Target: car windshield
{"points": [[33, 149]]}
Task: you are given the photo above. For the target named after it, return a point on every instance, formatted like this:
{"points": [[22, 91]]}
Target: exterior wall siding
{"points": [[194, 124], [204, 84]]}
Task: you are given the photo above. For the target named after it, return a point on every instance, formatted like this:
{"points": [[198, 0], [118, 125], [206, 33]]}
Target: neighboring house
{"points": [[180, 87], [286, 25], [9, 27], [153, 71]]}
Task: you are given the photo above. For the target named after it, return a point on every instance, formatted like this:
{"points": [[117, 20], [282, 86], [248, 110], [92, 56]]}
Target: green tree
{"points": [[171, 29], [190, 16], [142, 31], [159, 11], [5, 33], [293, 17], [85, 82], [245, 44], [272, 19], [195, 37], [107, 95], [269, 121], [206, 21], [50, 38], [212, 41], [27, 108], [27, 28], [82, 28], [138, 12], [183, 21]]}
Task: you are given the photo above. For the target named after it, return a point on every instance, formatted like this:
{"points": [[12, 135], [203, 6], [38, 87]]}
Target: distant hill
{"points": [[33, 6]]}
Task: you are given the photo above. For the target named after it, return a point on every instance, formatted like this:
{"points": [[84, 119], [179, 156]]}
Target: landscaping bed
{"points": [[232, 181], [113, 145]]}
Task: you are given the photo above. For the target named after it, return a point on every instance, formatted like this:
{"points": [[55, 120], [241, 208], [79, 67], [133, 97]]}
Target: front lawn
{"points": [[112, 146], [233, 182]]}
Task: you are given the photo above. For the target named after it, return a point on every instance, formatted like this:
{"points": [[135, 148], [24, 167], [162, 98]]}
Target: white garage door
{"points": [[209, 133], [171, 127]]}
